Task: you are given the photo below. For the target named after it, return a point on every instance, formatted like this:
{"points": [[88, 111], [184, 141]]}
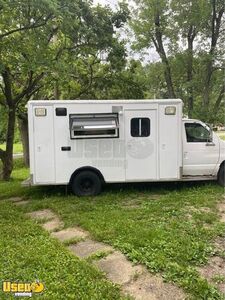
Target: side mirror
{"points": [[211, 135], [210, 140]]}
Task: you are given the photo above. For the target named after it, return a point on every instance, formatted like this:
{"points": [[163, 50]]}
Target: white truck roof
{"points": [[122, 101]]}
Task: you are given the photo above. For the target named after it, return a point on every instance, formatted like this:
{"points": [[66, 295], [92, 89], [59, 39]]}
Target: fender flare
{"points": [[87, 168]]}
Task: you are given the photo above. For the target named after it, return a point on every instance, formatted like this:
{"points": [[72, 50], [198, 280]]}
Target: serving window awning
{"points": [[94, 125]]}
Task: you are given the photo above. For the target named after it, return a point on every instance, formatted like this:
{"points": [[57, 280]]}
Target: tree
{"points": [[202, 22], [38, 42], [123, 83], [188, 20], [188, 36], [214, 32], [20, 24], [150, 22]]}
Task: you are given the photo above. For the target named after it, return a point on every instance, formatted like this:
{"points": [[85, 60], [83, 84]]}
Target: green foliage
{"points": [[54, 45], [72, 241], [52, 49], [219, 279], [17, 147], [188, 36], [98, 255], [125, 84], [169, 228], [38, 256]]}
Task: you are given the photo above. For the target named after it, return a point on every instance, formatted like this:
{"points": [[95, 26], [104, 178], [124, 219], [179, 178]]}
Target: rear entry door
{"points": [[43, 145], [141, 145]]}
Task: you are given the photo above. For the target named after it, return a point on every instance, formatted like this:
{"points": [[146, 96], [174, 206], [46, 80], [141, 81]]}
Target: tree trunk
{"points": [[191, 36], [158, 42], [23, 127], [2, 157], [207, 88], [216, 23], [218, 103], [8, 159], [168, 76], [190, 92]]}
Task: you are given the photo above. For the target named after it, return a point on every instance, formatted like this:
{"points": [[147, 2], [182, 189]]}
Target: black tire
{"points": [[221, 175], [86, 183]]}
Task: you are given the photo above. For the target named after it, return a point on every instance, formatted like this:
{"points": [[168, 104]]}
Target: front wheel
{"points": [[86, 183], [221, 176]]}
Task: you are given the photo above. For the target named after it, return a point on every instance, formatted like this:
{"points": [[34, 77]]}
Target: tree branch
{"points": [[3, 91], [85, 90], [27, 27], [219, 100], [216, 24], [8, 86], [30, 87]]}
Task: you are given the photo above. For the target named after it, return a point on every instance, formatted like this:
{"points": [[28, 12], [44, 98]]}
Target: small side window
{"points": [[196, 133], [140, 127], [61, 111]]}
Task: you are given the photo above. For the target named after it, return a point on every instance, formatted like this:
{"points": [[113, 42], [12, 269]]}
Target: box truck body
{"points": [[118, 141]]}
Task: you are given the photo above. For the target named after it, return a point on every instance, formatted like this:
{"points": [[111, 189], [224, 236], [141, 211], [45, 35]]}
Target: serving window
{"points": [[94, 126]]}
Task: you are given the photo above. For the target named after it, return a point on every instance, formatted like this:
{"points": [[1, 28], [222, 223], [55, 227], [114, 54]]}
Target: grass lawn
{"points": [[17, 147], [28, 253], [221, 134], [169, 228]]}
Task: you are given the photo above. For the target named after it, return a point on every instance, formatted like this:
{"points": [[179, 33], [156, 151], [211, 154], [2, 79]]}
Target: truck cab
{"points": [[203, 151]]}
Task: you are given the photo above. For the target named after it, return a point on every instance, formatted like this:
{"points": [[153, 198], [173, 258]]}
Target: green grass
{"points": [[221, 134], [28, 253], [169, 228], [17, 147]]}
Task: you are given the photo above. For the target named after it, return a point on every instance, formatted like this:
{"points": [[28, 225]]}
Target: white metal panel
{"points": [[141, 152], [199, 158], [169, 144], [127, 103], [44, 148], [31, 140], [107, 155], [104, 154]]}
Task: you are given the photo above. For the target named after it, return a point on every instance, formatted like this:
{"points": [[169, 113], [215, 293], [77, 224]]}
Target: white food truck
{"points": [[86, 143]]}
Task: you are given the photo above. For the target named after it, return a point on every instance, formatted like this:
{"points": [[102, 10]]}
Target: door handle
{"points": [[66, 148], [210, 144], [185, 155]]}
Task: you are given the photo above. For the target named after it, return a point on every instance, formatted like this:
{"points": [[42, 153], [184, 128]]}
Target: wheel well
{"points": [[87, 168], [222, 165]]}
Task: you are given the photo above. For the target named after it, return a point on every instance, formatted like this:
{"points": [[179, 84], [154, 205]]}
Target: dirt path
{"points": [[134, 280], [214, 271]]}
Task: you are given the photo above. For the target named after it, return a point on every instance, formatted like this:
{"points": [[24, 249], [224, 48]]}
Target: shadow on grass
{"points": [[118, 188], [13, 187]]}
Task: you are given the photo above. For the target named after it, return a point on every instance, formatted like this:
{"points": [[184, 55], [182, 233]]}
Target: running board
{"points": [[198, 178]]}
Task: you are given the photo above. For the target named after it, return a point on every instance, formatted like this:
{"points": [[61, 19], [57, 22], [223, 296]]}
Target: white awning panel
{"points": [[94, 125]]}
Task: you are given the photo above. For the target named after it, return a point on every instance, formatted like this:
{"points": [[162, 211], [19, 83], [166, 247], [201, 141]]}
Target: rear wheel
{"points": [[221, 175], [86, 183]]}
